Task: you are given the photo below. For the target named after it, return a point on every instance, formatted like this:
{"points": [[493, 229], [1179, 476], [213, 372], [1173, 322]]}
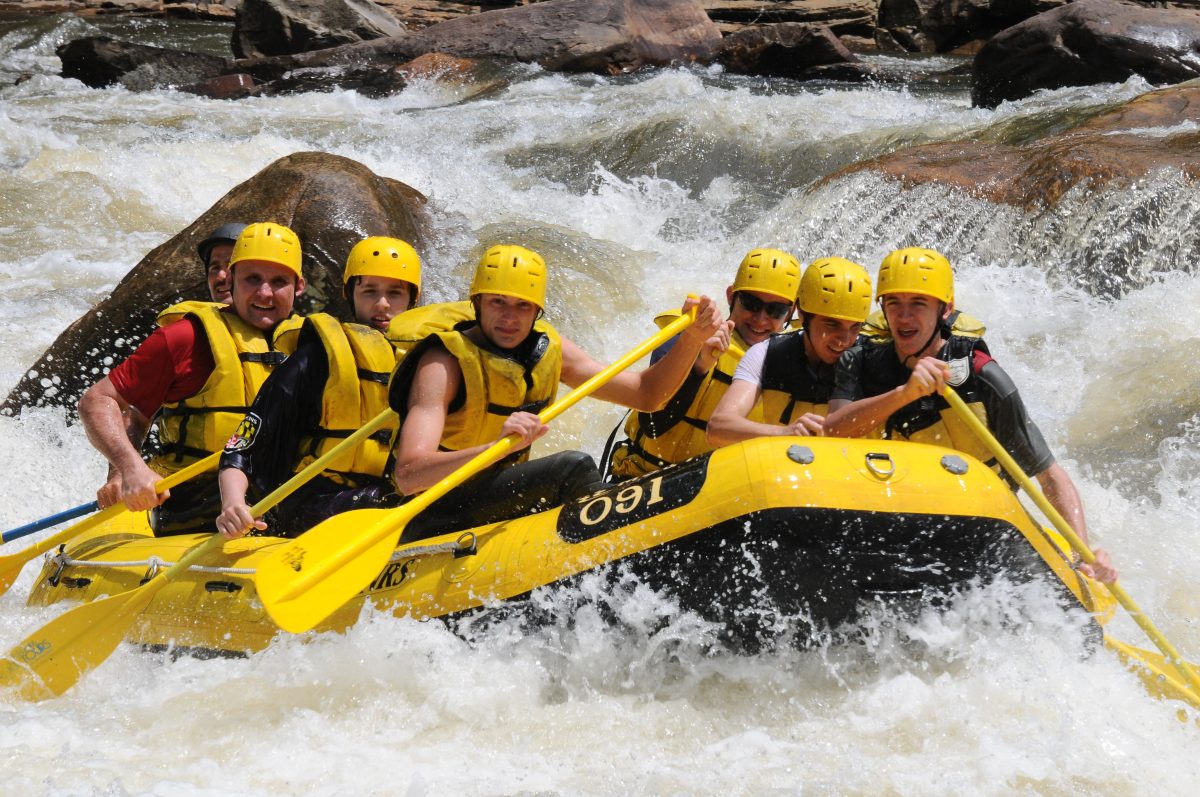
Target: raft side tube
{"points": [[811, 521]]}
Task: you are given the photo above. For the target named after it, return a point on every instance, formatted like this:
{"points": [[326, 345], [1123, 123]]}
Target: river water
{"points": [[639, 189]]}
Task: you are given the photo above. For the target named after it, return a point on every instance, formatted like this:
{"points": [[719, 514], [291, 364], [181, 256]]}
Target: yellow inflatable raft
{"points": [[751, 536]]}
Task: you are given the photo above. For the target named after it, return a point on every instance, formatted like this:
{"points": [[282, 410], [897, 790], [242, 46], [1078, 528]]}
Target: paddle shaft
{"points": [[279, 493], [317, 465], [10, 566], [47, 522], [494, 453], [1014, 470]]}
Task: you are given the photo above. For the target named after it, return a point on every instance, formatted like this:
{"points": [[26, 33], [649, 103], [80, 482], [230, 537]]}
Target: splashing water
{"points": [[642, 188]]}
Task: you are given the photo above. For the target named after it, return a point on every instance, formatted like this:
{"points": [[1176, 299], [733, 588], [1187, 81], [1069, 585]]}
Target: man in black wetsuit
{"points": [[334, 383], [893, 386]]}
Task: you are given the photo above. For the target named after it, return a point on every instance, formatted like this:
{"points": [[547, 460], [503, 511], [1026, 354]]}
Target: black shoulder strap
{"points": [[784, 361]]}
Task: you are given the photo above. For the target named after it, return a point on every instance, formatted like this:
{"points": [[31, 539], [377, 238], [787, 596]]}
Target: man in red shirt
{"points": [[194, 377]]}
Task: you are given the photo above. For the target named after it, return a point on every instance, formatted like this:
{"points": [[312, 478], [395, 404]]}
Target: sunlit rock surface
{"points": [[276, 27], [1157, 130], [1088, 42]]}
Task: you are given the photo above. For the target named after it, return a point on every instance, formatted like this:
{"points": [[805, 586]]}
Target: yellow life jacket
{"points": [[409, 328], [494, 384], [360, 364], [790, 386], [959, 323], [648, 448], [180, 309], [932, 420], [243, 358]]}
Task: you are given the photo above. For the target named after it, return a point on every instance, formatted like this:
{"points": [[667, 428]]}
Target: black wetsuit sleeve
{"points": [[1010, 422], [847, 376], [287, 407]]}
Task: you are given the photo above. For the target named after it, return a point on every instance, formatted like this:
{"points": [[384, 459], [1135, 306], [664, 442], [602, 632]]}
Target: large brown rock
{"points": [[1105, 163], [331, 202], [1088, 42], [1109, 148], [942, 25], [608, 36], [786, 50], [279, 27], [844, 17], [99, 61]]}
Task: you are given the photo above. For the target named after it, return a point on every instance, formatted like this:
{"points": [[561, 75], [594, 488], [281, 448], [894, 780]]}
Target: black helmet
{"points": [[225, 234]]}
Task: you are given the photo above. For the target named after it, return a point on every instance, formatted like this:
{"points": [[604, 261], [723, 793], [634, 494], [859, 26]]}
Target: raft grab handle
{"points": [[881, 472]]}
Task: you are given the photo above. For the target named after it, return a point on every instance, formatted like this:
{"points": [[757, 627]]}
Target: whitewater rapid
{"points": [[639, 189]]}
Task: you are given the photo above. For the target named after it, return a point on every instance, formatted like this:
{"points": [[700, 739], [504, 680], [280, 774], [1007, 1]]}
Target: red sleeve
{"points": [[170, 365], [979, 359]]}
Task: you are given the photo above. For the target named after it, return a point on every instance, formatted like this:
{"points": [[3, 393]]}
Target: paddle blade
{"points": [[1160, 678], [10, 565], [51, 660], [297, 606], [10, 568]]}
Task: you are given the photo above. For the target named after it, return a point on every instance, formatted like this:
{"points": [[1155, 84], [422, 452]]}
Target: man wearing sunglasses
{"points": [[783, 385], [761, 301]]}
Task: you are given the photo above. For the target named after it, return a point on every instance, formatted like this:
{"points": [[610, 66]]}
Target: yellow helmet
{"points": [[837, 288], [270, 242], [769, 271], [390, 258], [917, 270], [511, 270]]}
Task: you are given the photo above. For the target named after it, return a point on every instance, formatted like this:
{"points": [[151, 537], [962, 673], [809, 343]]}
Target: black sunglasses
{"points": [[753, 304]]}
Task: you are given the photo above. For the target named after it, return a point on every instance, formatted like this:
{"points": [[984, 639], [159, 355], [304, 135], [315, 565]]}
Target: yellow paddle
{"points": [[1014, 470], [10, 565], [51, 660], [1160, 678], [305, 581]]}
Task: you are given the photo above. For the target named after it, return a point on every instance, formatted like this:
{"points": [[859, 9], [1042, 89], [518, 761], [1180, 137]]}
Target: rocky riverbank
{"points": [[886, 25]]}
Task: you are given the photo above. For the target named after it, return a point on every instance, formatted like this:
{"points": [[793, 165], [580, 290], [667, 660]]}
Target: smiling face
{"points": [[769, 314], [826, 338], [219, 285], [914, 319], [506, 320], [264, 293], [377, 300]]}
